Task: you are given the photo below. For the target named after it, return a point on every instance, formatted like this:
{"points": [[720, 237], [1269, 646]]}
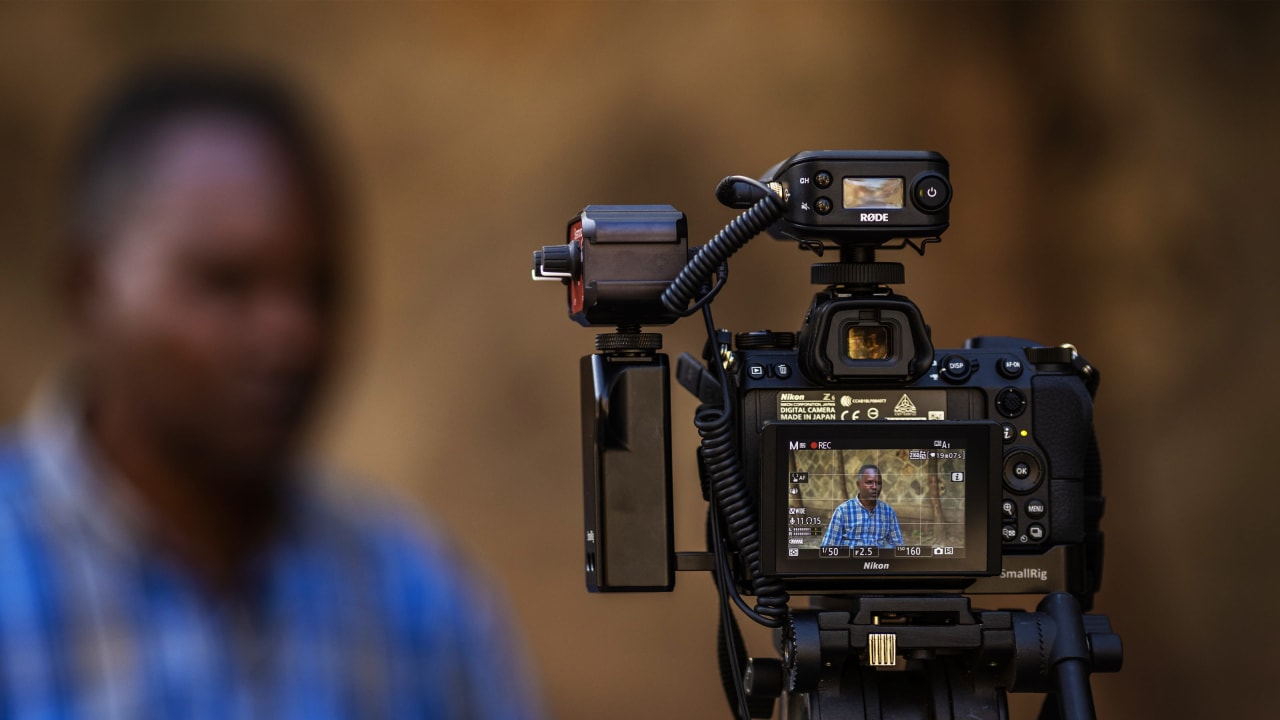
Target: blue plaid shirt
{"points": [[854, 525], [353, 613]]}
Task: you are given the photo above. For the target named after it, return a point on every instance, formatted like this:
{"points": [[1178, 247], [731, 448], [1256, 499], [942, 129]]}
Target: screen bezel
{"points": [[982, 443]]}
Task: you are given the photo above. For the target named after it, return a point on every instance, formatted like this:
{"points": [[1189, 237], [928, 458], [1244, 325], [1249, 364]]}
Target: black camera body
{"points": [[1013, 419]]}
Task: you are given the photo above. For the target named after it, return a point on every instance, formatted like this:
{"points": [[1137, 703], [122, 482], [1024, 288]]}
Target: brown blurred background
{"points": [[1115, 170]]}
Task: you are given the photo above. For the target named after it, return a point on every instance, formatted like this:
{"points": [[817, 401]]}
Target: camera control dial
{"points": [[765, 339]]}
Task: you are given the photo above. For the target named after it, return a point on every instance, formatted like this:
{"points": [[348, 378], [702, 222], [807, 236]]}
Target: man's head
{"points": [[869, 483], [203, 267]]}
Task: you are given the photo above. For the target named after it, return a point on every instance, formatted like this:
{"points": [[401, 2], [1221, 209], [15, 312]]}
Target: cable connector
{"points": [[739, 193]]}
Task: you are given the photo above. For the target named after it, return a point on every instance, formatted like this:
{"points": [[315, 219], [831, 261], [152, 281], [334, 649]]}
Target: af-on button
{"points": [[1009, 367]]}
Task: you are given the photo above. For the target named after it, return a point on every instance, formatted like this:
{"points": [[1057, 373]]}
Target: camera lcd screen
{"points": [[873, 193], [882, 499]]}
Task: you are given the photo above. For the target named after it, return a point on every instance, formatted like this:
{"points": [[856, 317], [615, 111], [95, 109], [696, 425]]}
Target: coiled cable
{"points": [[731, 499], [707, 262]]}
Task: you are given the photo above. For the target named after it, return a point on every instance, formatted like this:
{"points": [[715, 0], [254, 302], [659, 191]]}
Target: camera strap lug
{"points": [[1087, 372]]}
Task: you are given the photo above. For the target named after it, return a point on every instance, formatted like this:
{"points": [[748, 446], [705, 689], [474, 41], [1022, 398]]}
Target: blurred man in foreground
{"points": [[164, 554]]}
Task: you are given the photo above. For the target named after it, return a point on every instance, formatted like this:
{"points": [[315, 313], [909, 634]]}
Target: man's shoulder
{"points": [[402, 545], [406, 565], [850, 506], [16, 470]]}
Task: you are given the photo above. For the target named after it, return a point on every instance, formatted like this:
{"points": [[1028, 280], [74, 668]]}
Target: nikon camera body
{"points": [[986, 459]]}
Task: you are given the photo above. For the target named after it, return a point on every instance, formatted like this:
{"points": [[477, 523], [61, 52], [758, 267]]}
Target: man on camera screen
{"points": [[864, 520]]}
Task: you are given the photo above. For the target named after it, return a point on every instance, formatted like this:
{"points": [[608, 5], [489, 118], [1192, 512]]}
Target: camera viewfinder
{"points": [[867, 342]]}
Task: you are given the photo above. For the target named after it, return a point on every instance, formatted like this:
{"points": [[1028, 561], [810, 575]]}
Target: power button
{"points": [[931, 192]]}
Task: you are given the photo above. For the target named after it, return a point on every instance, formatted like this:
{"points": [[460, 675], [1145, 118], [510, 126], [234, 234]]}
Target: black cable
{"points": [[722, 566], [722, 277], [732, 499], [719, 455], [728, 649], [763, 213]]}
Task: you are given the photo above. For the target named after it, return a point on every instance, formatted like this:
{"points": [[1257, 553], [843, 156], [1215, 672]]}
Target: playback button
{"points": [[931, 192]]}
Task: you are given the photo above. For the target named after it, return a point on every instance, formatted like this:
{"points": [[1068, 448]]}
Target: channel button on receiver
{"points": [[931, 192]]}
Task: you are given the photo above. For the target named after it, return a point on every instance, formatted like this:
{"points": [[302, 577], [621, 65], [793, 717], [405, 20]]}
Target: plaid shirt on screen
{"points": [[853, 525], [352, 613]]}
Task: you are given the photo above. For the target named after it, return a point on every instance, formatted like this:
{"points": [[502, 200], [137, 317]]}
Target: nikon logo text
{"points": [[872, 565], [875, 217]]}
